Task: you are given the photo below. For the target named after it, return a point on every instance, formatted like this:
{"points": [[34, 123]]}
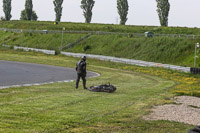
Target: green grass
{"points": [[44, 25], [60, 107], [167, 50], [38, 40]]}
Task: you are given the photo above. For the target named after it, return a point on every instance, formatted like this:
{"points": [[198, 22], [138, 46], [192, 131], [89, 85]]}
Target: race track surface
{"points": [[18, 73]]}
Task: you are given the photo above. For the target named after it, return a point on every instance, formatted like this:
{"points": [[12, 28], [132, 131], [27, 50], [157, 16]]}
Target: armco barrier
{"points": [[115, 59], [52, 52], [129, 61]]}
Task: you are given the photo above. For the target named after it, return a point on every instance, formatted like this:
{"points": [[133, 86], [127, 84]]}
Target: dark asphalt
{"points": [[18, 73]]}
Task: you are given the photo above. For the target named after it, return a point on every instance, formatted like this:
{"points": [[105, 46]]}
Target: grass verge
{"points": [[167, 50], [60, 108]]}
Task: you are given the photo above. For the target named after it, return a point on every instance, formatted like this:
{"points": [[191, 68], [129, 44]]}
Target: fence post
{"points": [[61, 47], [196, 46], [4, 32], [21, 38]]}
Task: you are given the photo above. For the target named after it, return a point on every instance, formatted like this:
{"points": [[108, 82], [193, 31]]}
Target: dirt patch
{"points": [[186, 110]]}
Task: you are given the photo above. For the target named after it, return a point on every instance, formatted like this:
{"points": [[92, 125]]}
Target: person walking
{"points": [[81, 72]]}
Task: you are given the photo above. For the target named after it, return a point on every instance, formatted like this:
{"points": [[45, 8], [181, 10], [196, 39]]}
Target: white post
{"points": [[21, 38], [4, 31], [196, 46], [61, 47]]}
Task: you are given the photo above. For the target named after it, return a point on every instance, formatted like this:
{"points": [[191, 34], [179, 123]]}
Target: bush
{"points": [[57, 52], [24, 16], [87, 47], [2, 18]]}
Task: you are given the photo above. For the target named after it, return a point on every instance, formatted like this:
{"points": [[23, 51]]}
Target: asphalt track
{"points": [[27, 74]]}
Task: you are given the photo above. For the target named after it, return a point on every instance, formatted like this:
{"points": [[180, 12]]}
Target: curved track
{"points": [[26, 74]]}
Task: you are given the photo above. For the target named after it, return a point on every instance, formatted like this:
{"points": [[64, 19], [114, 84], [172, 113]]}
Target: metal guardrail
{"points": [[51, 52], [109, 58], [129, 61]]}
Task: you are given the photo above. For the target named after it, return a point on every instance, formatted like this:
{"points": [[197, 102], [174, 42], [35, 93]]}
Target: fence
{"points": [[100, 33]]}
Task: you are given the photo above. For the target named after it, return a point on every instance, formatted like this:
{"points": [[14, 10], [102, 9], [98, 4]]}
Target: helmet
{"points": [[83, 58]]}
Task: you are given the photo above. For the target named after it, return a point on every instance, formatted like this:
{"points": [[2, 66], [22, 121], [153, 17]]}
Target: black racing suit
{"points": [[81, 73]]}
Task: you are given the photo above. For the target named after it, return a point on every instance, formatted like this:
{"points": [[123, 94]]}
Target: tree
{"points": [[58, 9], [163, 11], [28, 13], [24, 16], [87, 6], [34, 16], [122, 6], [29, 9], [7, 9]]}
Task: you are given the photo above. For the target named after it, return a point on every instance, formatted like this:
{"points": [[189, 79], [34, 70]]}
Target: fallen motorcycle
{"points": [[103, 88]]}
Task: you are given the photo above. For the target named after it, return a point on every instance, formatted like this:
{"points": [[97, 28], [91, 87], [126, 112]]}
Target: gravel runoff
{"points": [[186, 110]]}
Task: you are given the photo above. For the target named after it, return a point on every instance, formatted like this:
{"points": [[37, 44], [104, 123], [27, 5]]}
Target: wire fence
{"points": [[22, 34], [99, 33]]}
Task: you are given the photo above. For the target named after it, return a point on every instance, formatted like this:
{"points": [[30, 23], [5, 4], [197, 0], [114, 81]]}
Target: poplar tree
{"points": [[87, 6], [28, 13], [163, 8], [29, 9], [7, 9], [122, 6], [24, 16], [58, 9]]}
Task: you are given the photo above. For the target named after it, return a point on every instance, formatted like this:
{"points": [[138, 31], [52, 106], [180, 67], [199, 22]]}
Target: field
{"points": [[61, 108]]}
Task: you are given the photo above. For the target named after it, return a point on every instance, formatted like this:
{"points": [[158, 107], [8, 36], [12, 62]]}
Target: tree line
{"points": [[163, 8]]}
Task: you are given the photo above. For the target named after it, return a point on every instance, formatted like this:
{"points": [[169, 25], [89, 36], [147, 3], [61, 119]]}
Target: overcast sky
{"points": [[183, 13]]}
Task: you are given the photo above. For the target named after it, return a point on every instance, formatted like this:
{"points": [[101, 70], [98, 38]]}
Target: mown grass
{"points": [[60, 108]]}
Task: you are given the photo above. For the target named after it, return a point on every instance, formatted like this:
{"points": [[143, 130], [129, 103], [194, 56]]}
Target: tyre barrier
{"points": [[195, 70], [195, 130]]}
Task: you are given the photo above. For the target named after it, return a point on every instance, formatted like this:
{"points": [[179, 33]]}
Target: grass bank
{"points": [[60, 108], [168, 50], [47, 25]]}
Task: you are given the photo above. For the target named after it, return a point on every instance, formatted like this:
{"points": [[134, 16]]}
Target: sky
{"points": [[183, 13]]}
